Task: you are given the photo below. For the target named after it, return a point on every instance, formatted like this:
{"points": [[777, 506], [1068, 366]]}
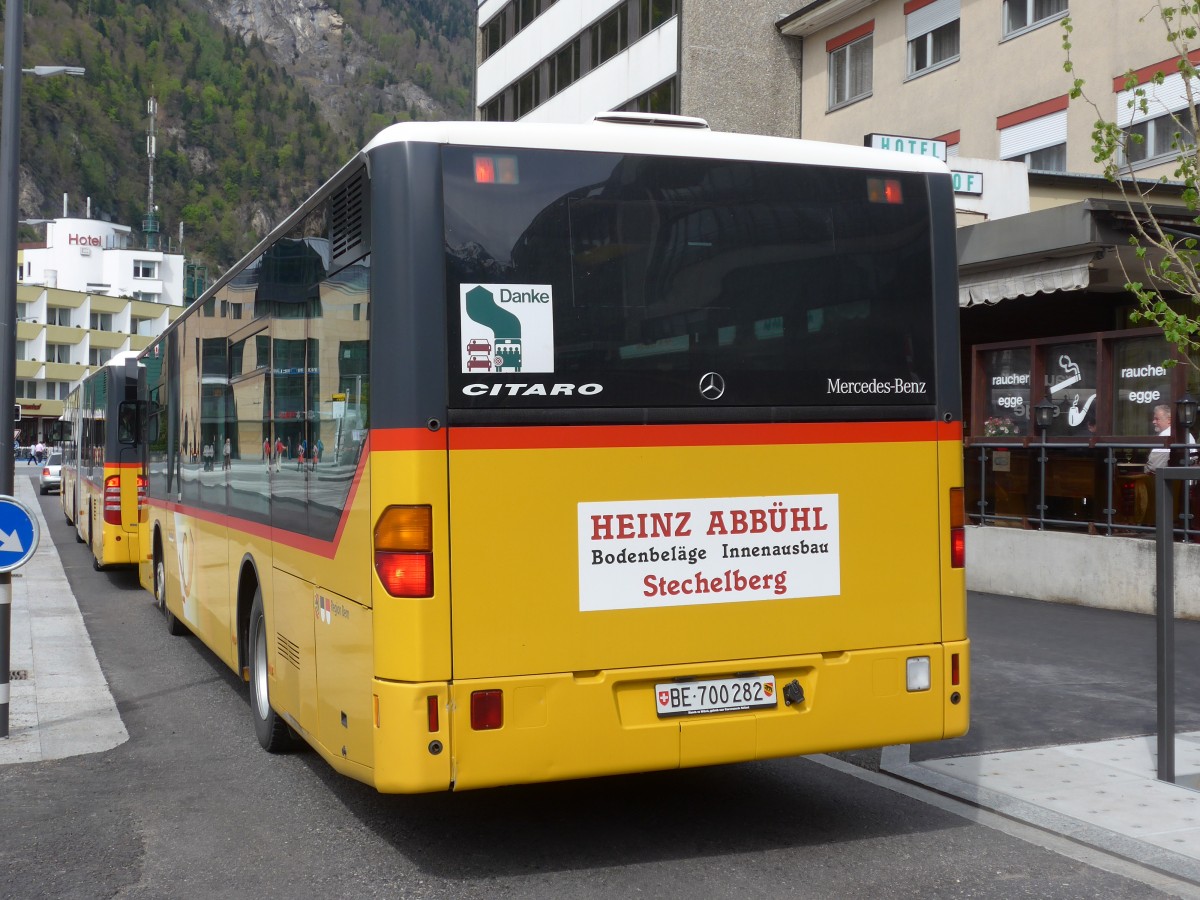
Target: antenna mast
{"points": [[150, 226]]}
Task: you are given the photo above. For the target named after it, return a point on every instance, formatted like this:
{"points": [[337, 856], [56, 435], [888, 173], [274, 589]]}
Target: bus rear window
{"points": [[608, 280]]}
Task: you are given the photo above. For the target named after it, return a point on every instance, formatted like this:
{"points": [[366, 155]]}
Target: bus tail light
{"points": [[487, 710], [142, 482], [954, 674], [404, 550], [112, 500], [958, 534]]}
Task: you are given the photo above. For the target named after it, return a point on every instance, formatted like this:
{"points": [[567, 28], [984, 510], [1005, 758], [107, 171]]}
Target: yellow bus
{"points": [[103, 489], [546, 452]]}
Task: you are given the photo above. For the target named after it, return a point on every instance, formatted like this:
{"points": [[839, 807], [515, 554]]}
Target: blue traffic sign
{"points": [[19, 534]]}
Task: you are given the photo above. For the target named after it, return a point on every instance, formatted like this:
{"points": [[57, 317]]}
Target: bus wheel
{"points": [[174, 626], [92, 546], [272, 731]]}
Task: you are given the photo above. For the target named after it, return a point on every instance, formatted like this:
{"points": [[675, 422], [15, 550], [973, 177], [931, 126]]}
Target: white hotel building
{"points": [[84, 295]]}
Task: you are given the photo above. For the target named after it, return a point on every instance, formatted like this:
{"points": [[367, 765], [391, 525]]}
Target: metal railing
{"points": [[1121, 499]]}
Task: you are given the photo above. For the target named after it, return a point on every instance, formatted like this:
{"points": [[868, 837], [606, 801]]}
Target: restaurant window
{"points": [[1141, 382], [1007, 377], [1070, 384]]}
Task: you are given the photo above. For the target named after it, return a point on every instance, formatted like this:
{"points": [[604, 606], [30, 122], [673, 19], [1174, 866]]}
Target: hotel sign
{"points": [[914, 146], [964, 182]]}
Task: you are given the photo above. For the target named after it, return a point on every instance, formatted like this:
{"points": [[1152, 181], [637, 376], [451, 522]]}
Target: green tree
{"points": [[1167, 285]]}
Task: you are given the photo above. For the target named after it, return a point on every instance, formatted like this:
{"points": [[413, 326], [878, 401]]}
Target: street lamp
{"points": [[10, 146], [1185, 411], [1044, 414]]}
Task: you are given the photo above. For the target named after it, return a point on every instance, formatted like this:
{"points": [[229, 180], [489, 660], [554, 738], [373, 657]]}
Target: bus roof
{"points": [[654, 138]]}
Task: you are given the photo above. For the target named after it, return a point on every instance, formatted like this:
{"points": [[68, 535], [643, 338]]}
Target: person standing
{"points": [[226, 455]]}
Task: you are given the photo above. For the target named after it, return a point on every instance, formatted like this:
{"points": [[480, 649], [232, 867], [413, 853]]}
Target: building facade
{"points": [[62, 336]]}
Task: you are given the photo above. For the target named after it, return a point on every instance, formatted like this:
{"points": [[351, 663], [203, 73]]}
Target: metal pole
{"points": [[1042, 491], [1165, 625], [10, 132]]}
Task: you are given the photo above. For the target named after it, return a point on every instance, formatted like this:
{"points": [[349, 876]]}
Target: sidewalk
{"points": [[59, 702], [1101, 793]]}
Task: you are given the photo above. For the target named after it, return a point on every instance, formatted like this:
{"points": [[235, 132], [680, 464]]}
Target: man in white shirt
{"points": [[1161, 423]]}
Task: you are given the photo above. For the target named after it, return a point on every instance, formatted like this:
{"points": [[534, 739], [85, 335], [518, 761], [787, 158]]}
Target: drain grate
{"points": [[18, 674]]}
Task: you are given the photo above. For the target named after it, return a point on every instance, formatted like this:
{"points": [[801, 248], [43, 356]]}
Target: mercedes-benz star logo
{"points": [[712, 386]]}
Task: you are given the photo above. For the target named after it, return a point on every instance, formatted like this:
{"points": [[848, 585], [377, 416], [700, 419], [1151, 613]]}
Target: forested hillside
{"points": [[259, 102]]}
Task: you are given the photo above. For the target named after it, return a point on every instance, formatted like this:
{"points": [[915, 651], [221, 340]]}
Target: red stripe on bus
{"points": [[407, 439], [725, 435]]}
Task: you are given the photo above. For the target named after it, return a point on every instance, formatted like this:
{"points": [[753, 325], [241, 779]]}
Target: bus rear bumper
{"points": [[576, 725]]}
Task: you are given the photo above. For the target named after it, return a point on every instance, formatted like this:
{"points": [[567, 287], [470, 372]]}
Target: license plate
{"points": [[698, 698]]}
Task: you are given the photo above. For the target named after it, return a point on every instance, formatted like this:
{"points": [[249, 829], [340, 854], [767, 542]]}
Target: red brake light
{"points": [[485, 170], [958, 535], [487, 710], [405, 574], [112, 500]]}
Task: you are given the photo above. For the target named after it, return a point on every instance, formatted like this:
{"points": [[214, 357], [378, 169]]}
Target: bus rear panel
{"points": [[702, 449]]}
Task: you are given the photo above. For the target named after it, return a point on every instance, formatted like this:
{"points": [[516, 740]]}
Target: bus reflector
{"points": [[405, 528], [953, 668], [884, 190], [431, 712], [487, 710], [958, 534], [405, 574], [112, 500]]}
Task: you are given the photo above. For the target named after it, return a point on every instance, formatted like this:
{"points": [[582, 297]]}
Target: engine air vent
{"points": [[349, 221]]}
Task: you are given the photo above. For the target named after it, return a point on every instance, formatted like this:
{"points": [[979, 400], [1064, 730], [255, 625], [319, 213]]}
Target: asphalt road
{"points": [[191, 806]]}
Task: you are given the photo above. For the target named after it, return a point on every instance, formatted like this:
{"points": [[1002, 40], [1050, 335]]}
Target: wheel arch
{"points": [[248, 582]]}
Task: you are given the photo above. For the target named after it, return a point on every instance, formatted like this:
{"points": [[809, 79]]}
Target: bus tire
{"points": [[175, 627], [272, 731], [92, 546]]}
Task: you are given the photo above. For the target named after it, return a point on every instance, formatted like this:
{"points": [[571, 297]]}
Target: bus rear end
{"points": [[704, 461]]}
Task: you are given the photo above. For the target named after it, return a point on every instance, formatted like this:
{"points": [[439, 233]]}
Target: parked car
{"points": [[51, 477]]}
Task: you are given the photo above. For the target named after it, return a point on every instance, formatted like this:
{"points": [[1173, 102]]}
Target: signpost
{"points": [[19, 536]]}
